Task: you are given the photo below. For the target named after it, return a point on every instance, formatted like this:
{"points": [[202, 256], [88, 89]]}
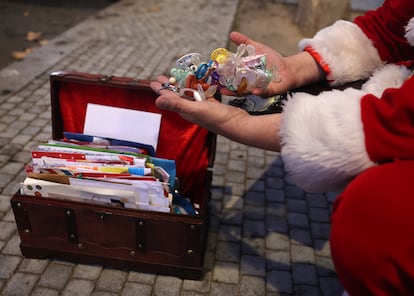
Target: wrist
{"points": [[305, 69]]}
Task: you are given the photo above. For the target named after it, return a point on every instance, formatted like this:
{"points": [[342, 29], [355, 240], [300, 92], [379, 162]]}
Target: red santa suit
{"points": [[361, 141]]}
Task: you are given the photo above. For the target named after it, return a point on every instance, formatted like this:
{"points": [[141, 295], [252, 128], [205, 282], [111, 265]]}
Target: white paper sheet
{"points": [[123, 124]]}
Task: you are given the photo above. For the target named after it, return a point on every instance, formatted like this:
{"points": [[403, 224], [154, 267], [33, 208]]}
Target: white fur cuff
{"points": [[323, 145], [409, 32], [347, 51]]}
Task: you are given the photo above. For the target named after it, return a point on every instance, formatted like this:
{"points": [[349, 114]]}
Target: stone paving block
{"points": [[226, 272], [133, 289], [253, 246], [8, 264], [255, 184], [275, 211], [145, 278], [297, 206], [279, 281], [229, 233], [222, 289], [33, 265], [12, 168], [298, 220], [304, 290], [325, 267], [22, 157], [233, 202], [304, 274], [209, 260], [275, 195], [12, 247], [29, 132], [322, 248], [231, 188], [316, 200], [319, 215], [16, 112], [253, 228], [4, 200], [202, 286], [274, 182], [7, 119], [254, 212], [278, 260], [55, 276], [6, 229], [21, 284], [253, 265], [78, 287], [277, 241], [252, 286], [11, 189], [294, 192], [302, 254], [235, 177], [228, 251], [111, 280], [215, 207], [330, 286], [320, 230], [167, 285], [87, 272], [255, 173], [255, 162], [236, 165], [40, 291], [104, 293], [274, 171], [254, 198], [300, 236]]}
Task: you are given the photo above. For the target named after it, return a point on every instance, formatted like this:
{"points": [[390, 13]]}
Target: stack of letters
{"points": [[100, 170]]}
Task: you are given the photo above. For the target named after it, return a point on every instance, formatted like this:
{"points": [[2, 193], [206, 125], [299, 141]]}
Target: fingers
{"points": [[239, 38], [171, 102], [157, 86]]}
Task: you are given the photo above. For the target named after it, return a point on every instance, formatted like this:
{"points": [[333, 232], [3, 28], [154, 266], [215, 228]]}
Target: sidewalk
{"points": [[267, 237]]}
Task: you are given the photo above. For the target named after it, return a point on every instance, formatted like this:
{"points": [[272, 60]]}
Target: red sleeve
{"points": [[386, 28], [389, 123]]}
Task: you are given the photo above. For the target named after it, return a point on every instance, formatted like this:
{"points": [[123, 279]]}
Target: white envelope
{"points": [[123, 124]]}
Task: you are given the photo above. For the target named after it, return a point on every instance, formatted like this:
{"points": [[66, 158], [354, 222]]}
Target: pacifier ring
{"points": [[158, 90], [167, 86]]}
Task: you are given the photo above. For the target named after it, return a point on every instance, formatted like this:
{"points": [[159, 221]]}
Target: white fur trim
{"points": [[348, 52], [389, 76], [409, 32], [323, 144]]}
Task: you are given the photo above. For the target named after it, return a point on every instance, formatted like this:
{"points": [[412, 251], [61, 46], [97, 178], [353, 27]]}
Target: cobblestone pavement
{"points": [[267, 237]]}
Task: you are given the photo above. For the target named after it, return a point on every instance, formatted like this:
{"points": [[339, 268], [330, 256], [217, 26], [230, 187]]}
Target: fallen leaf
{"points": [[26, 13], [33, 36], [154, 8], [43, 42], [20, 55]]}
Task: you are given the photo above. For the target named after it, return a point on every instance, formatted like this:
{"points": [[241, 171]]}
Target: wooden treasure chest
{"points": [[57, 213]]}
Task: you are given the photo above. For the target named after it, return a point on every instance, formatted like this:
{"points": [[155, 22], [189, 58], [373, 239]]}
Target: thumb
{"points": [[172, 102], [239, 38]]}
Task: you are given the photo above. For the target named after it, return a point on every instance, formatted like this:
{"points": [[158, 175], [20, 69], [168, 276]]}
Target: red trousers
{"points": [[372, 233]]}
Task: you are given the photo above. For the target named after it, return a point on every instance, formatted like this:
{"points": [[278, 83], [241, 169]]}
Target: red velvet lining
{"points": [[179, 140]]}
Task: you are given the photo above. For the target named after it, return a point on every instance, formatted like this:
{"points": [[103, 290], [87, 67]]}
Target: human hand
{"points": [[200, 112], [293, 71], [228, 121], [280, 84]]}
